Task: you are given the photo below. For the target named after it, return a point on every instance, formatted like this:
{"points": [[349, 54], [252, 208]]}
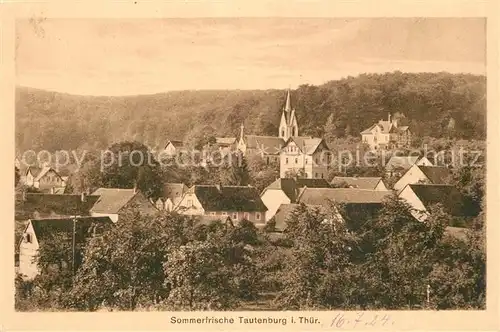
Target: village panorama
{"points": [[359, 192]]}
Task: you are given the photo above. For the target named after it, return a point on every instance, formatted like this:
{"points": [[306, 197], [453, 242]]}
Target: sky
{"points": [[144, 56]]}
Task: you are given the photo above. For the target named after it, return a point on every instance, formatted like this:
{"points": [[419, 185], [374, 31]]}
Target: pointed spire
{"points": [[288, 106]]}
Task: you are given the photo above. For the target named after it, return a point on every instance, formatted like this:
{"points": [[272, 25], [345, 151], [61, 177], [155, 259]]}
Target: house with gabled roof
{"points": [[386, 135], [423, 174], [174, 147], [285, 191], [371, 183], [219, 202], [114, 202], [421, 197], [306, 157], [39, 230], [45, 178]]}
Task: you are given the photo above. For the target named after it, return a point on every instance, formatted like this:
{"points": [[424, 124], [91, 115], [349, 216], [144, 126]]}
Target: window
{"points": [[213, 214], [307, 160], [176, 194], [268, 160], [257, 215], [190, 202], [316, 161], [282, 133], [224, 213], [28, 238], [235, 215], [321, 175], [296, 160], [246, 215], [286, 160], [315, 175]]}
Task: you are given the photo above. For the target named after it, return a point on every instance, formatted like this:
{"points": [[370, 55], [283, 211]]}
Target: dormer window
{"points": [[28, 238]]}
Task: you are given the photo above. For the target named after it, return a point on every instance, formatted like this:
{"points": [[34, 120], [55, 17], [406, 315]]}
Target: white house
{"points": [[45, 179], [305, 157], [423, 174], [39, 230], [285, 191], [372, 183], [387, 135]]}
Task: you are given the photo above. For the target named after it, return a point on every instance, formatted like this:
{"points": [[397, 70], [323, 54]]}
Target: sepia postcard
{"points": [[237, 165]]}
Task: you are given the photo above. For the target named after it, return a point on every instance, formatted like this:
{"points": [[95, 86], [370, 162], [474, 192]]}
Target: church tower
{"points": [[288, 124]]}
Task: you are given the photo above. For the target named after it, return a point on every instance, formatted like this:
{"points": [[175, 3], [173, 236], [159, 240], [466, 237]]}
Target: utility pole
{"points": [[428, 294], [74, 245]]}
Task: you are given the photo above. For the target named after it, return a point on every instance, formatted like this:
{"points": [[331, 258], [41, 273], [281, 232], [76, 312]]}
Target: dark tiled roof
{"points": [[266, 144], [63, 205], [322, 196], [357, 182], [112, 200], [354, 214], [436, 174], [44, 227], [229, 198], [291, 186], [448, 196]]}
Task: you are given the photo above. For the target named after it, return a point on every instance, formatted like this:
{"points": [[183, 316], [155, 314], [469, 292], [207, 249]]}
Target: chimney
{"points": [[242, 128], [52, 190], [389, 117], [83, 197]]}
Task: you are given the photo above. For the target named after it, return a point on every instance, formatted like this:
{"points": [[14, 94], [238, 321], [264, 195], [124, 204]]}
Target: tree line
{"points": [[442, 105]]}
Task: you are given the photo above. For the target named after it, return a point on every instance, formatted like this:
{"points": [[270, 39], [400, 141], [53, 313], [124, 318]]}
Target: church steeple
{"points": [[288, 125]]}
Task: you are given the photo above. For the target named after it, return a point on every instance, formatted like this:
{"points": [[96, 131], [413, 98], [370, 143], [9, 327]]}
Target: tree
{"points": [[17, 176], [234, 171], [123, 268], [130, 164]]}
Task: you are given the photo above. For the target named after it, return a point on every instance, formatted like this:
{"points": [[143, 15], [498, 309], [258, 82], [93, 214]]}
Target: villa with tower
{"points": [[387, 135]]}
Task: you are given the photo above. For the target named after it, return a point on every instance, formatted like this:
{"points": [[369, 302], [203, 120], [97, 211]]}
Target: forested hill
{"points": [[434, 104]]}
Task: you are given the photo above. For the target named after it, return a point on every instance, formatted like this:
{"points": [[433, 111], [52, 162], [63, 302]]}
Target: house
{"points": [[423, 174], [386, 135], [114, 202], [323, 196], [39, 230], [226, 144], [174, 147], [172, 195], [422, 196], [372, 183], [285, 191], [39, 205], [306, 157], [215, 202], [44, 178], [397, 165]]}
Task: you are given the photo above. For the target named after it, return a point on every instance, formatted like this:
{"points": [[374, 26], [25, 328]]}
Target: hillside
{"points": [[434, 104]]}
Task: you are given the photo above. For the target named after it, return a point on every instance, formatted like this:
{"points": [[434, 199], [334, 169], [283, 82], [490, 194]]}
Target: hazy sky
{"points": [[137, 56]]}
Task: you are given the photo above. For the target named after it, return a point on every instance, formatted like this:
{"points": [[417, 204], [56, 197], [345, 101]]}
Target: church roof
{"points": [[266, 144]]}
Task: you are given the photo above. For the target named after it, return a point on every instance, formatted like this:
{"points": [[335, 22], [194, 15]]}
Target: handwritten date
{"points": [[360, 319]]}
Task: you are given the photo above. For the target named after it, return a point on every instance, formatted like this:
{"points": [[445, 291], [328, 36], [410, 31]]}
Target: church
{"points": [[301, 156]]}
